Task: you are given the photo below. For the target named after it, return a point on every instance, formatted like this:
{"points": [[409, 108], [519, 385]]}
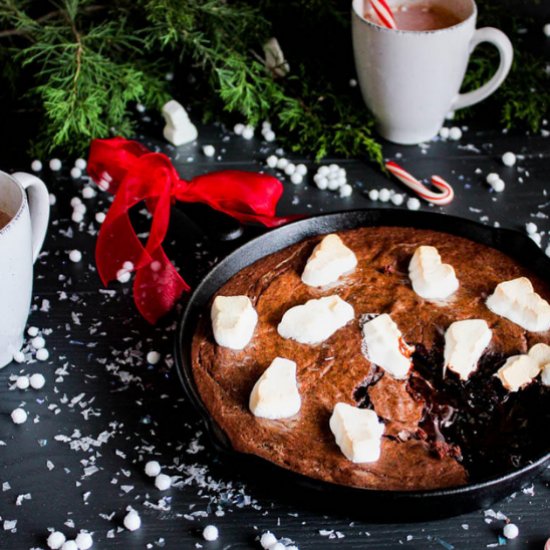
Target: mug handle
{"points": [[506, 51], [39, 207]]}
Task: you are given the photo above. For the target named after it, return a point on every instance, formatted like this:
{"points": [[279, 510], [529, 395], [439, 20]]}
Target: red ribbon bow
{"points": [[135, 174]]}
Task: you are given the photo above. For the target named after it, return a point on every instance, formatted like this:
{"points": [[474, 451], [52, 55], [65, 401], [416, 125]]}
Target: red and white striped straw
{"points": [[384, 13], [445, 196]]}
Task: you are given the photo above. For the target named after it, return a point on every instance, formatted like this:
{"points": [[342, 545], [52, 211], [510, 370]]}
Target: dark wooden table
{"points": [[104, 411]]}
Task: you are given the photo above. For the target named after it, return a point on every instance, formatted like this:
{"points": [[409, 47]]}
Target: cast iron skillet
{"points": [[324, 496]]}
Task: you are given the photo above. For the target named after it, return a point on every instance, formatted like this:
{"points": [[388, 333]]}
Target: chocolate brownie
{"points": [[439, 431]]}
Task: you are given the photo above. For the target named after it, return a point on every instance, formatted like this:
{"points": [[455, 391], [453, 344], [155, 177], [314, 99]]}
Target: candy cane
{"points": [[444, 197], [384, 13]]}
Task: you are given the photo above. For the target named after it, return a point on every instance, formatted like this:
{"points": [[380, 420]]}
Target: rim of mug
{"points": [[378, 27], [17, 215]]}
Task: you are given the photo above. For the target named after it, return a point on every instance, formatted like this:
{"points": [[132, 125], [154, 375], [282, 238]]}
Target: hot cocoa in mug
{"points": [[410, 77]]}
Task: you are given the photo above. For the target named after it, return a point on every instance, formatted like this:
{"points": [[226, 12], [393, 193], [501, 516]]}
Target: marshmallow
{"points": [[385, 346], [358, 432], [179, 136], [540, 353], [330, 259], [179, 129], [518, 372], [316, 320], [465, 342], [175, 114], [275, 395], [233, 321], [431, 279], [517, 301]]}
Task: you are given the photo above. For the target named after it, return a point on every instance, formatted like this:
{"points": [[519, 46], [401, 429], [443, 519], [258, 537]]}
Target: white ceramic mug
{"points": [[24, 198], [410, 80]]}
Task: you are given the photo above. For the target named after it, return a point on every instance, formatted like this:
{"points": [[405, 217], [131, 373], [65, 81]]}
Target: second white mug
{"points": [[410, 80]]}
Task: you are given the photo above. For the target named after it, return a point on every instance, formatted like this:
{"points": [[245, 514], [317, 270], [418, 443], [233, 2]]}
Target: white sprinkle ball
{"points": [[132, 521], [323, 170], [38, 342], [498, 185], [278, 546], [413, 203], [42, 354], [536, 237], [346, 190], [238, 129], [163, 482], [70, 545], [248, 132], [531, 227], [397, 199], [152, 468], [76, 173], [374, 194], [267, 540], [510, 531], [53, 199], [282, 163], [123, 276], [37, 381], [75, 201], [547, 252], [169, 76], [333, 184], [80, 208], [128, 265], [100, 217], [77, 217], [290, 169], [384, 195], [546, 30], [84, 541], [153, 357], [32, 331], [352, 82], [320, 181], [19, 356], [75, 256], [210, 533], [444, 132], [22, 382], [36, 166], [266, 125], [492, 177], [208, 150], [292, 547], [140, 108], [455, 133], [88, 192], [55, 165], [19, 416], [80, 163], [296, 178], [509, 159], [271, 161], [56, 540], [301, 169], [269, 136]]}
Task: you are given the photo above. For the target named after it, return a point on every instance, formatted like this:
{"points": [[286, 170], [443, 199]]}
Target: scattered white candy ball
{"points": [[374, 194], [282, 163], [531, 228], [341, 180], [352, 82], [296, 178], [278, 546], [266, 125], [56, 540], [290, 169], [19, 416], [492, 177], [384, 195], [42, 354], [510, 531], [321, 182], [248, 132], [55, 165], [333, 168], [132, 521], [38, 342], [267, 540], [210, 533], [323, 170], [547, 252], [80, 163], [76, 173], [271, 161], [75, 256], [163, 482], [455, 133], [413, 203], [103, 184], [75, 201], [153, 357], [22, 382], [70, 545], [152, 468], [346, 190], [140, 108], [36, 166], [169, 76], [301, 169], [88, 192], [84, 541], [37, 381], [509, 159], [53, 199], [208, 150], [536, 237], [123, 276], [499, 186], [238, 129], [546, 30], [333, 184], [397, 199], [32, 331], [19, 356], [77, 217], [100, 217], [128, 265], [269, 136], [444, 132], [80, 208]]}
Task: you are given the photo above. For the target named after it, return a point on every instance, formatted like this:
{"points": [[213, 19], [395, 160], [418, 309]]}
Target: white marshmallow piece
{"points": [[385, 346], [316, 320], [330, 259], [540, 353], [430, 278], [179, 129], [181, 136], [465, 342], [517, 301], [275, 395], [358, 433], [233, 321], [518, 371]]}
